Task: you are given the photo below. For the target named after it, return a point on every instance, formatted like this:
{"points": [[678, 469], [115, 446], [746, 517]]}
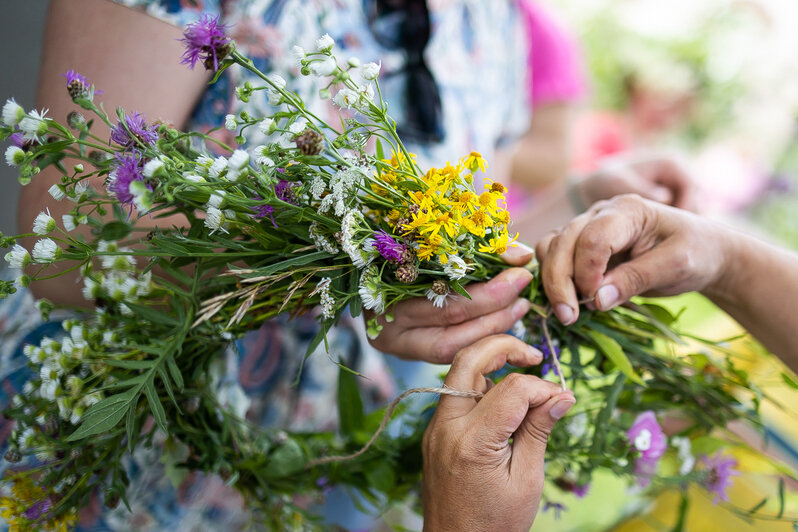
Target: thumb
{"points": [[531, 438], [640, 275], [517, 255], [650, 190]]}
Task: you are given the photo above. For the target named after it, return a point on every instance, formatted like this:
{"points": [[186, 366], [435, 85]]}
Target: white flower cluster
{"points": [[321, 242], [327, 301], [343, 186], [370, 290], [684, 450], [33, 124], [361, 254], [455, 267]]}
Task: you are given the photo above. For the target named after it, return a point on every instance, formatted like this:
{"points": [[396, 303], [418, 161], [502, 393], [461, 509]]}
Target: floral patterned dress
{"points": [[478, 55]]}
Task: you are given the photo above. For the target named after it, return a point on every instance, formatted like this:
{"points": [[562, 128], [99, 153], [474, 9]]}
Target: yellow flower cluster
{"points": [[25, 495], [442, 206]]}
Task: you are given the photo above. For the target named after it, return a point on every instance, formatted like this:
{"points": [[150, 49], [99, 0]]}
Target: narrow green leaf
{"points": [[103, 416], [614, 352], [379, 150], [174, 371], [155, 405], [457, 287], [758, 506], [350, 404], [152, 315], [781, 498], [128, 364], [167, 384], [789, 381], [296, 261], [130, 427], [679, 526], [115, 231]]}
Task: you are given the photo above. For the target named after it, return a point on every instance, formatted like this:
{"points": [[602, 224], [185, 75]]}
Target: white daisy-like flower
{"points": [[69, 221], [260, 156], [22, 281], [325, 43], [299, 54], [369, 290], [14, 156], [57, 192], [298, 127], [109, 337], [277, 80], [194, 178], [438, 300], [80, 191], [217, 198], [44, 223], [33, 125], [12, 113], [27, 440], [152, 167], [366, 96], [18, 257], [370, 71], [214, 219], [50, 372], [74, 384], [115, 262], [455, 267], [219, 165], [203, 161], [346, 98], [324, 67], [77, 414], [45, 251], [266, 126], [49, 346], [78, 335], [91, 289], [239, 159], [230, 122]]}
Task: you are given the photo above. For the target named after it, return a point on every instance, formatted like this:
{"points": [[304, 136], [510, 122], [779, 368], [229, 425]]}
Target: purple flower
{"points": [[647, 438], [205, 40], [17, 139], [38, 510], [126, 171], [556, 506], [262, 211], [139, 132], [548, 365], [284, 190], [581, 490], [389, 248], [720, 469]]}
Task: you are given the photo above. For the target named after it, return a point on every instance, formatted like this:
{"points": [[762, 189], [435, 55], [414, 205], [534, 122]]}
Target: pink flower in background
{"points": [[646, 437], [720, 469]]}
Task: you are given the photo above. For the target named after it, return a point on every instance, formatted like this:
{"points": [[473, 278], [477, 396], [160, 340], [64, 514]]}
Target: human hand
{"points": [[474, 478], [419, 331], [660, 179], [628, 246]]}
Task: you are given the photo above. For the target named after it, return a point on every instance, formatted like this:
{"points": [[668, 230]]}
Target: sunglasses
{"points": [[405, 25]]}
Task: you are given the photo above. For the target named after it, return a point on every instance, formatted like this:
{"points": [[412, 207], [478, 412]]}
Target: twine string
{"points": [[444, 390]]}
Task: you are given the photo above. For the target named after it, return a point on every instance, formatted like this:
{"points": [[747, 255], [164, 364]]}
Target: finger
{"points": [[611, 231], [556, 270], [518, 254], [663, 268], [494, 295], [438, 345], [542, 247], [672, 175], [531, 438], [471, 364], [501, 412]]}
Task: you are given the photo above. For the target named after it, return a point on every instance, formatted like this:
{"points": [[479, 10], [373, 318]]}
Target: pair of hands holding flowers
{"points": [[483, 459]]}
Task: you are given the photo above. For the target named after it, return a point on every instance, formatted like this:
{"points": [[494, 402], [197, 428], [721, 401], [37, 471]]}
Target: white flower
{"points": [[114, 262], [577, 425], [684, 449], [152, 167], [27, 440], [12, 113], [194, 178], [214, 219], [370, 71], [144, 284], [369, 290], [142, 195], [33, 126], [266, 126], [69, 221], [91, 289], [203, 161], [366, 96], [277, 80], [324, 67], [18, 257], [57, 192], [239, 159], [455, 268], [45, 251], [320, 241], [78, 168], [44, 223], [80, 190], [260, 156], [219, 165], [216, 199], [299, 54], [230, 122], [298, 127], [233, 397], [326, 300], [317, 187], [325, 43], [14, 156], [346, 98], [354, 62], [438, 300]]}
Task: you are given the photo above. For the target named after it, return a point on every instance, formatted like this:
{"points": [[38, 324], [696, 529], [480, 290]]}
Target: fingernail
{"points": [[521, 279], [518, 250], [607, 297], [520, 308], [564, 313], [561, 408]]}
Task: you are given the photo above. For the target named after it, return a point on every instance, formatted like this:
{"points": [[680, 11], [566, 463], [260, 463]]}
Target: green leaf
{"points": [[758, 506], [104, 416], [167, 385], [614, 352], [457, 287], [152, 315], [781, 498], [155, 405], [174, 371], [380, 475], [660, 313], [789, 381], [379, 151], [296, 261], [115, 231], [129, 364], [350, 404], [288, 458]]}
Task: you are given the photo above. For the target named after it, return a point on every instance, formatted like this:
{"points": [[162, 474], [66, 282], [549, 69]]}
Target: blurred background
{"points": [[714, 81]]}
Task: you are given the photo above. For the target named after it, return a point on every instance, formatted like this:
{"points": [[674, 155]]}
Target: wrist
{"points": [[734, 265]]}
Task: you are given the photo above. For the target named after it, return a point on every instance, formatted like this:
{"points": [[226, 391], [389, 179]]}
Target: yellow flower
{"points": [[477, 223], [488, 202], [475, 162], [442, 220], [430, 246], [498, 245]]}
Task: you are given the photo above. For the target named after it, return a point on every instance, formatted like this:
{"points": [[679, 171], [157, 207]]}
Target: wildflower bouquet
{"points": [[309, 219]]}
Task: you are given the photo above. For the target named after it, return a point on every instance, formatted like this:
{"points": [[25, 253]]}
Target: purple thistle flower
{"points": [[205, 40], [262, 211], [720, 469], [138, 128], [284, 190], [38, 510], [17, 139], [646, 437], [126, 171], [71, 76], [389, 248]]}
